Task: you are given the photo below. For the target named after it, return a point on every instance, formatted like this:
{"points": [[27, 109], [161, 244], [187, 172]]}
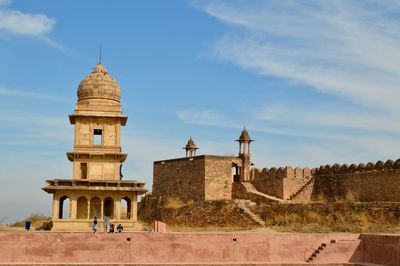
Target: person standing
{"points": [[94, 226], [106, 223]]}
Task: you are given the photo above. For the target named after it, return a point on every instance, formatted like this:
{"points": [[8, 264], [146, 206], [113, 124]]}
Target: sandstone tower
{"points": [[96, 188], [202, 177], [244, 153]]}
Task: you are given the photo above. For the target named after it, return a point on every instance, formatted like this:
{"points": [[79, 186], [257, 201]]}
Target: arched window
{"points": [[95, 207], [126, 208], [64, 208], [82, 208], [109, 207]]}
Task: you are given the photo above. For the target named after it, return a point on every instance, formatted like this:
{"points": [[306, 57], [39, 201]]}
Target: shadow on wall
{"points": [[378, 249]]}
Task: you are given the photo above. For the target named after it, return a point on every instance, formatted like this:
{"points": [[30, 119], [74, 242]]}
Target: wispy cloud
{"points": [[16, 23], [34, 129], [202, 117], [31, 94], [347, 48], [334, 117]]}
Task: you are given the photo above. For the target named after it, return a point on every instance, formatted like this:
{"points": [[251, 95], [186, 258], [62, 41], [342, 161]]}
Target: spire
{"points": [[100, 55]]}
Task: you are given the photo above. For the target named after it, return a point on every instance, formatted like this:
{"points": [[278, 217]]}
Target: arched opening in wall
{"points": [[126, 208], [64, 208], [95, 207], [109, 207], [235, 173], [82, 207]]}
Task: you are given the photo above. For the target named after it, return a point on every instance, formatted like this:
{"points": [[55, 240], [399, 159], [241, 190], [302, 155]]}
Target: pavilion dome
{"points": [[244, 135], [191, 145], [99, 85]]}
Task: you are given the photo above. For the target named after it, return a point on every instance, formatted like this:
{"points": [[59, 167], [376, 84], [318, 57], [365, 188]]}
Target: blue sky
{"points": [[315, 82]]}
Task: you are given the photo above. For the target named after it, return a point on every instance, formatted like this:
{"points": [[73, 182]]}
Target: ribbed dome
{"points": [[99, 85]]}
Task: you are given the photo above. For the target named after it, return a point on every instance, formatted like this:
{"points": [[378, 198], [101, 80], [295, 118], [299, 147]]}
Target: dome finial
{"points": [[100, 55]]}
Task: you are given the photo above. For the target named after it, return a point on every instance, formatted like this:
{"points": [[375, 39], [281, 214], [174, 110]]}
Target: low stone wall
{"points": [[381, 249], [210, 213], [197, 248], [375, 211]]}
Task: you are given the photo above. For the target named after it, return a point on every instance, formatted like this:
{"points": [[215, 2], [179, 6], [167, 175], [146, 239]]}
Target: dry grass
{"points": [[357, 222], [36, 220], [176, 203], [173, 203], [351, 196], [320, 198]]}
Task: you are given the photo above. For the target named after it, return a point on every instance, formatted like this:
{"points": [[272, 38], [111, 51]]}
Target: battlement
{"points": [[353, 168], [281, 172]]}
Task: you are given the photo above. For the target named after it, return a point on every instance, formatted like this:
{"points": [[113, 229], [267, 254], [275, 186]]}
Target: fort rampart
{"points": [[280, 182], [378, 181]]}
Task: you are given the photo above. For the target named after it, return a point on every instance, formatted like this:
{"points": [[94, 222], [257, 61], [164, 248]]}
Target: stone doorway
{"points": [[109, 207]]}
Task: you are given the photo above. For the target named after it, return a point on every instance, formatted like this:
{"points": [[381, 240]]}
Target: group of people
{"points": [[110, 228]]}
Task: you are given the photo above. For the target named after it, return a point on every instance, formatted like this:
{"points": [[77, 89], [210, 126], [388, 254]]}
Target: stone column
{"points": [[102, 209], [118, 209], [88, 209], [73, 209], [134, 208], [56, 207]]}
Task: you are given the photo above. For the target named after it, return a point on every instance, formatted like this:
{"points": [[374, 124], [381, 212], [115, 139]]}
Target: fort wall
{"points": [[280, 182], [198, 178], [378, 181], [363, 182], [181, 178], [218, 177]]}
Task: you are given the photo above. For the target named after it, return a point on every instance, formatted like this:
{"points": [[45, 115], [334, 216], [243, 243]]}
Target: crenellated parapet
{"points": [[281, 172], [353, 168]]}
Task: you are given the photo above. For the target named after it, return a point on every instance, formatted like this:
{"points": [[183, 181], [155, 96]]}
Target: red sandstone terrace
{"points": [[205, 248]]}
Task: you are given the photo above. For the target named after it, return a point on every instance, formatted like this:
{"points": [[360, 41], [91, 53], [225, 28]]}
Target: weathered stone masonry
{"points": [[199, 178], [210, 177]]}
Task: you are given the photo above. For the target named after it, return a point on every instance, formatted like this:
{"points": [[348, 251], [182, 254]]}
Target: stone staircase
{"points": [[318, 251], [301, 190], [244, 206], [252, 190]]}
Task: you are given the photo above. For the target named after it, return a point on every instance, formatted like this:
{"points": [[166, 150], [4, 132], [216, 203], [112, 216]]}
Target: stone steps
{"points": [[318, 251], [302, 189], [251, 189], [244, 206]]}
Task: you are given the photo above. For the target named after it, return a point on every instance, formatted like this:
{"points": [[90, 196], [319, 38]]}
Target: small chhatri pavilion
{"points": [[96, 188], [190, 148]]}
